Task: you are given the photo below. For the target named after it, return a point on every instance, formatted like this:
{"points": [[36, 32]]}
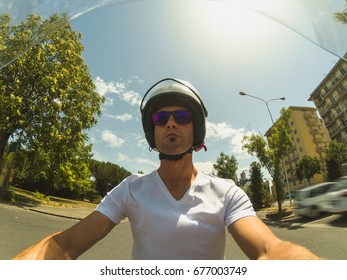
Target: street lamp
{"points": [[266, 102], [272, 120]]}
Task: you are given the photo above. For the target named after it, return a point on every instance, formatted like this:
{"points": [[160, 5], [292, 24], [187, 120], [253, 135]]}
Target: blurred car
{"points": [[312, 201], [337, 197]]}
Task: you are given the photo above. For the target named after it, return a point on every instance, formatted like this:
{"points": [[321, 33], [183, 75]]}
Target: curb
{"points": [[54, 214]]}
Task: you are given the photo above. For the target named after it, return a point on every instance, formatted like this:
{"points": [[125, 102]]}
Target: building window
{"points": [[341, 89], [297, 140], [301, 149], [332, 99]]}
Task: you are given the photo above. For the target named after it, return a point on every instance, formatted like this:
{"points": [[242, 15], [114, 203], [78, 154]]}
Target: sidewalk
{"points": [[64, 212], [80, 213]]}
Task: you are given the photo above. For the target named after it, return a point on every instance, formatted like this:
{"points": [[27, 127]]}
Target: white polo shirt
{"points": [[164, 228]]}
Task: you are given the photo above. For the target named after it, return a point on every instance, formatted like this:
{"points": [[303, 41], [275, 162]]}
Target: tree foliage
{"points": [[341, 16], [307, 168], [336, 156], [257, 146], [271, 153], [107, 175], [47, 97], [226, 166], [256, 184], [35, 171], [259, 190]]}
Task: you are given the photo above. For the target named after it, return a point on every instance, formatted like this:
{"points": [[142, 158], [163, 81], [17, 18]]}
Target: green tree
{"points": [[34, 171], [226, 166], [17, 39], [107, 175], [270, 154], [256, 177], [336, 156], [48, 100], [307, 168], [341, 16]]}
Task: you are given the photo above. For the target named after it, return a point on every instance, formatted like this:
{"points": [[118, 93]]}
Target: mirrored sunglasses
{"points": [[180, 116]]}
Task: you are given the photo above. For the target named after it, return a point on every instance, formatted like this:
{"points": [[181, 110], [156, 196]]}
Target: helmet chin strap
{"points": [[180, 156], [174, 157]]}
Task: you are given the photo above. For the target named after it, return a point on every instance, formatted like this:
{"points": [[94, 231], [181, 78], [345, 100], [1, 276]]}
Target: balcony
{"points": [[325, 111], [315, 131], [318, 140], [329, 122], [311, 121], [334, 133]]}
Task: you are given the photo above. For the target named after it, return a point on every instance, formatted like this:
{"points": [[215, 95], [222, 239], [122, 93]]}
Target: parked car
{"points": [[337, 197], [312, 201]]}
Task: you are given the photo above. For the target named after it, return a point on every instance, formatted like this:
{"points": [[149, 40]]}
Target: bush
{"points": [[41, 196]]}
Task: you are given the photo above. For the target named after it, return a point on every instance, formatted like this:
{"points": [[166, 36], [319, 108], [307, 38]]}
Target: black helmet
{"points": [[168, 92]]}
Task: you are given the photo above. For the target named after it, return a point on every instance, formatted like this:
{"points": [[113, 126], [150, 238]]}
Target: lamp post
{"points": [[266, 102], [272, 120]]}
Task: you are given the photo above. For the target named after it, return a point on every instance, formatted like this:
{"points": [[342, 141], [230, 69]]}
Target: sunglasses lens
{"points": [[161, 118], [180, 116]]}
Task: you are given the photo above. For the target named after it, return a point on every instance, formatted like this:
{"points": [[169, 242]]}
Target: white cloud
{"points": [[122, 157], [118, 88], [147, 162], [103, 87], [206, 166], [236, 144], [125, 117], [132, 97], [142, 142], [219, 131], [108, 102], [222, 131], [112, 139]]}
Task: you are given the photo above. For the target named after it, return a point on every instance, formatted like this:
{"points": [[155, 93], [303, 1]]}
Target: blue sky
{"points": [[130, 46], [219, 46]]}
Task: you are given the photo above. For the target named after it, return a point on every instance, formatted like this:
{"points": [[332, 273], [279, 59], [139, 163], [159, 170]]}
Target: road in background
{"points": [[20, 228]]}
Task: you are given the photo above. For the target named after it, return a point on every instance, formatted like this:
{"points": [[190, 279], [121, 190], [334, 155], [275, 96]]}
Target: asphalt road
{"points": [[20, 228]]}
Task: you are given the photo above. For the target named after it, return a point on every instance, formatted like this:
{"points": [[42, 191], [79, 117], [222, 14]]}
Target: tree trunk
{"points": [[4, 136]]}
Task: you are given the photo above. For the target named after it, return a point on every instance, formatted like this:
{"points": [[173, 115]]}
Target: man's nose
{"points": [[171, 122]]}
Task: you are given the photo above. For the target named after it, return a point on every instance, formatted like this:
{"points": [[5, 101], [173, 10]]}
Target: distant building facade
{"points": [[330, 98], [310, 137]]}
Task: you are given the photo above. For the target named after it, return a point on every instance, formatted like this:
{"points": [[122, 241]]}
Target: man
{"points": [[175, 212]]}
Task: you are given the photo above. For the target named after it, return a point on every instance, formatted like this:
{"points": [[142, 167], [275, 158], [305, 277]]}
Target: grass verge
{"points": [[28, 198]]}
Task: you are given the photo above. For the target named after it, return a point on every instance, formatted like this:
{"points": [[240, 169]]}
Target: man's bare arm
{"points": [[258, 242], [71, 243]]}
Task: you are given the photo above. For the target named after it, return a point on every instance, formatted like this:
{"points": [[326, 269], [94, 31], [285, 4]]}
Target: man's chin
{"points": [[173, 152]]}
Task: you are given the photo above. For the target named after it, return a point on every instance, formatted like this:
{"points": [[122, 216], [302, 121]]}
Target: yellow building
{"points": [[310, 137], [330, 98]]}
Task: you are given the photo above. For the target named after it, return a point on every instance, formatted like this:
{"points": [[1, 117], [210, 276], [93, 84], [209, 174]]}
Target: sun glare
{"points": [[227, 16], [233, 28]]}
